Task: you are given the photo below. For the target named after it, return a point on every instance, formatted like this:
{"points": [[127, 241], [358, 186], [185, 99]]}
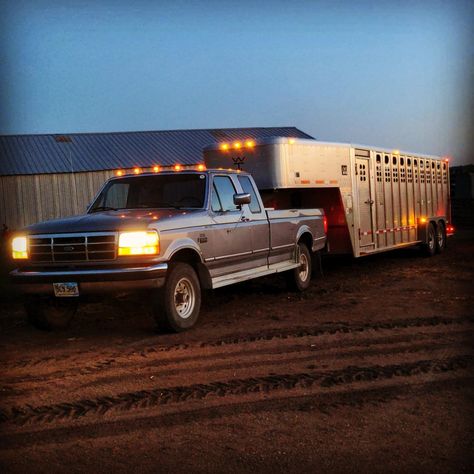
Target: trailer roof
{"points": [[312, 141], [63, 153]]}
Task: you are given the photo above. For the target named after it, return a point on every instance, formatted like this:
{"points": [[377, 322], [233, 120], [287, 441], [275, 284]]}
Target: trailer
{"points": [[375, 199]]}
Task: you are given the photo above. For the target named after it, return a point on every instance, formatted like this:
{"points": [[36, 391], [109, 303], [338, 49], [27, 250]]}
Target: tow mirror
{"points": [[243, 198]]}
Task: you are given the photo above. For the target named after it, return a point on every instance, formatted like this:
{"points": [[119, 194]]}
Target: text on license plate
{"points": [[66, 289]]}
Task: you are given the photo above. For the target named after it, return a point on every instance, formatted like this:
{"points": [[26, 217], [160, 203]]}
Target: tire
{"points": [[440, 238], [176, 306], [429, 247], [50, 313], [299, 279]]}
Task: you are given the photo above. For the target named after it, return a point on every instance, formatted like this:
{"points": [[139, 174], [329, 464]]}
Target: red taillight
{"points": [[325, 222], [450, 229]]}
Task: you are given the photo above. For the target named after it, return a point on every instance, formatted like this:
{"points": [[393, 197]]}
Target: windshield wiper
{"points": [[103, 208]]}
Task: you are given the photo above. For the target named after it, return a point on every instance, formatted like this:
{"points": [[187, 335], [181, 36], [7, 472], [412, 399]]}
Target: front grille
{"points": [[72, 247]]}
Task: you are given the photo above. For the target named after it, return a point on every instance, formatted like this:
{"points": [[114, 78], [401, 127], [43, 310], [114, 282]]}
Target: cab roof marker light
{"points": [[177, 167], [249, 143], [291, 141], [119, 173], [224, 147], [201, 167], [136, 170], [237, 145], [156, 169]]}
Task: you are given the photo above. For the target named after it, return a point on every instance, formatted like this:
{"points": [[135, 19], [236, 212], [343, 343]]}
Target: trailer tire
{"points": [[299, 279], [440, 237], [48, 314], [429, 247], [175, 307]]}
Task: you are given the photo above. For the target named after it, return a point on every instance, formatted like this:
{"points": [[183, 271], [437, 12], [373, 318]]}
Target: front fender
{"points": [[182, 244]]}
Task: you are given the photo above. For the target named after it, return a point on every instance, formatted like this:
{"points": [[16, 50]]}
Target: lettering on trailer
{"points": [[238, 161]]}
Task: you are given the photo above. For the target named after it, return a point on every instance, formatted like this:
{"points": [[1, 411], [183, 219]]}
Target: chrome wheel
{"points": [[304, 267], [184, 298]]}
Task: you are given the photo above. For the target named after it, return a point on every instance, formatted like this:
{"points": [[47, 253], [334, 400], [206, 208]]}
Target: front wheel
{"points": [[176, 306], [48, 314], [300, 278]]}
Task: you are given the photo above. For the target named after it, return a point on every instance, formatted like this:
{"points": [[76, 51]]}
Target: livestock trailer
{"points": [[375, 199]]}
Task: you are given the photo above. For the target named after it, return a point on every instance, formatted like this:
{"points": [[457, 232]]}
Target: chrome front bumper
{"points": [[91, 280]]}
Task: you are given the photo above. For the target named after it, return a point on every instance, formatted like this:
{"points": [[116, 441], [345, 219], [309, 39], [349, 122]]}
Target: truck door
{"points": [[366, 236], [232, 245], [260, 229]]}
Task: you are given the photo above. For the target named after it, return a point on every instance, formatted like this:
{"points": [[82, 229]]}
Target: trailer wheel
{"points": [[176, 306], [50, 313], [300, 278], [440, 238], [429, 247]]}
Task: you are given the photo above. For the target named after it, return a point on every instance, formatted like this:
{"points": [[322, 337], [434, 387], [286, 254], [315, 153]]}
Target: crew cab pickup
{"points": [[173, 233]]}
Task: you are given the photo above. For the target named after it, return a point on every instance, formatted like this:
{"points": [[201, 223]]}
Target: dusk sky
{"points": [[395, 74]]}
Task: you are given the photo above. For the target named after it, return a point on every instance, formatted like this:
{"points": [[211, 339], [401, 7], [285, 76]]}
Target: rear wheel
{"points": [[440, 238], [300, 278], [176, 306], [429, 247], [48, 313]]}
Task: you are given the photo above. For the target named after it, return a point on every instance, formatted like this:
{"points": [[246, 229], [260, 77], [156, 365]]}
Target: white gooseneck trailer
{"points": [[375, 199]]}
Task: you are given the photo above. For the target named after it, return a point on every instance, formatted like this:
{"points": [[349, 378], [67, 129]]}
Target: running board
{"points": [[252, 273]]}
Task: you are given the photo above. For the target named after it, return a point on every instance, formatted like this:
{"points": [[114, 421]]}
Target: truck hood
{"points": [[110, 221]]}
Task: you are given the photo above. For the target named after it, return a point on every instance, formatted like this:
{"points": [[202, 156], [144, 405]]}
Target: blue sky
{"points": [[396, 74]]}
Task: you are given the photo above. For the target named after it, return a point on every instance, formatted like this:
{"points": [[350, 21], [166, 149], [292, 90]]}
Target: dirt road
{"points": [[371, 370]]}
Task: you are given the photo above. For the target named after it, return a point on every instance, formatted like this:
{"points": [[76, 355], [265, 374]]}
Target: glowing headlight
{"points": [[139, 243], [20, 247]]}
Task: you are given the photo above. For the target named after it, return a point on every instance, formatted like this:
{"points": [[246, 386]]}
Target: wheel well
{"points": [[307, 239], [189, 256]]}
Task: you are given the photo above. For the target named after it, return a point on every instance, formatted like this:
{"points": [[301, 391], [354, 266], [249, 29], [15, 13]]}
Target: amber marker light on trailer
{"points": [[423, 220], [291, 141], [20, 248], [138, 243]]}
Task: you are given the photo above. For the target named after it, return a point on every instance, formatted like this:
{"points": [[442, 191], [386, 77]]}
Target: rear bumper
{"points": [[91, 280]]}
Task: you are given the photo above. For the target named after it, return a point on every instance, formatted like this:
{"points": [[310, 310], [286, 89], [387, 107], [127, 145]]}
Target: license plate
{"points": [[66, 289]]}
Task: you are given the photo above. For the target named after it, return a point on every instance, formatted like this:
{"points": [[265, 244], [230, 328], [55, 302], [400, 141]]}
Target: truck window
{"points": [[224, 189], [248, 188]]}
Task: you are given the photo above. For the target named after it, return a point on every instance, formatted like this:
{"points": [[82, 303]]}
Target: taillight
{"points": [[325, 223], [450, 229]]}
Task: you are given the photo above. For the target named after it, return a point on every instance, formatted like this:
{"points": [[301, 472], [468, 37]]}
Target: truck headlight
{"points": [[20, 247], [138, 243]]}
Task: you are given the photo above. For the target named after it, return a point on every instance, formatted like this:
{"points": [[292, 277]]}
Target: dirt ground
{"points": [[371, 370]]}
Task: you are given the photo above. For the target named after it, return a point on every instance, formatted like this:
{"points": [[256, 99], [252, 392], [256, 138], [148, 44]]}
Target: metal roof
{"points": [[63, 153]]}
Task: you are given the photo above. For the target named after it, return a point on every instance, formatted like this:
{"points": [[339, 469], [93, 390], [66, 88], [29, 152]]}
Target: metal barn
{"points": [[48, 176]]}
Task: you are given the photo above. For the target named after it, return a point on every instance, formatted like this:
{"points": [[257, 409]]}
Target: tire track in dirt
{"points": [[301, 332], [143, 399]]}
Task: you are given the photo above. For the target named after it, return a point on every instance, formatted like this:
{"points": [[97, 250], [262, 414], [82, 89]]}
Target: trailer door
{"points": [[366, 235]]}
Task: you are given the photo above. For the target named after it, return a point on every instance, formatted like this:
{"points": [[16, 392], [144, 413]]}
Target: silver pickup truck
{"points": [[173, 233]]}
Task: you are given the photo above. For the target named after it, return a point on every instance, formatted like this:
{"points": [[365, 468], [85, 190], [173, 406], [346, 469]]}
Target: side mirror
{"points": [[243, 198]]}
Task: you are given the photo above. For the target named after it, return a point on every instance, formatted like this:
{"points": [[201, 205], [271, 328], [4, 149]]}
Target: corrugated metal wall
{"points": [[27, 199]]}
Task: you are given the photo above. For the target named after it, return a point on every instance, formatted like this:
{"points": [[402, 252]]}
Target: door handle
{"points": [[369, 201], [244, 219]]}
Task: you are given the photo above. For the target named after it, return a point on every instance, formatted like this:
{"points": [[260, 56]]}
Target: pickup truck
{"points": [[171, 233]]}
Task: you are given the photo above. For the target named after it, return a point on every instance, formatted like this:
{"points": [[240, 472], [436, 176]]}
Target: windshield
{"points": [[158, 191]]}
